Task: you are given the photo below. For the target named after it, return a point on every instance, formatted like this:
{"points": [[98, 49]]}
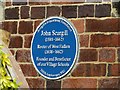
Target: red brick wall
{"points": [[99, 62]]}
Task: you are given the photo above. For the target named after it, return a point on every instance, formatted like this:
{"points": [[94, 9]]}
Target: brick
{"points": [[67, 1], [36, 24], [100, 40], [94, 1], [89, 70], [13, 52], [103, 10], [108, 25], [69, 11], [58, 3], [38, 12], [106, 0], [79, 25], [116, 5], [25, 27], [118, 54], [23, 56], [1, 25], [118, 39], [107, 55], [10, 26], [80, 70], [12, 13], [53, 84], [86, 11], [53, 11], [28, 70], [19, 2], [39, 2], [114, 70], [118, 9], [88, 55], [16, 42], [24, 12], [79, 83], [28, 40], [8, 3], [84, 40], [36, 83], [109, 83]]}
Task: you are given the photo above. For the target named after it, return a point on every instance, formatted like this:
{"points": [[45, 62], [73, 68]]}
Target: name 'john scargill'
{"points": [[54, 33]]}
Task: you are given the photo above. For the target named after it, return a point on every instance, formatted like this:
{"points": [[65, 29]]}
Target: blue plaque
{"points": [[54, 48]]}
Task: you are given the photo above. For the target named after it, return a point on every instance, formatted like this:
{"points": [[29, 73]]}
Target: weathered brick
{"points": [[28, 70], [24, 12], [84, 40], [86, 11], [118, 54], [103, 10], [38, 12], [16, 42], [114, 70], [23, 56], [10, 27], [89, 70], [36, 83], [87, 55], [19, 2], [107, 55], [53, 11], [25, 27], [79, 25], [69, 11], [36, 23], [108, 25], [12, 13], [27, 42], [109, 83], [100, 40], [79, 83], [53, 84]]}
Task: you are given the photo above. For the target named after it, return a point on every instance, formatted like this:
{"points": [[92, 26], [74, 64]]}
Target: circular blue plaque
{"points": [[54, 48]]}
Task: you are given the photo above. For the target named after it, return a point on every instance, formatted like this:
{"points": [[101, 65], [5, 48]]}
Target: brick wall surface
{"points": [[99, 62]]}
